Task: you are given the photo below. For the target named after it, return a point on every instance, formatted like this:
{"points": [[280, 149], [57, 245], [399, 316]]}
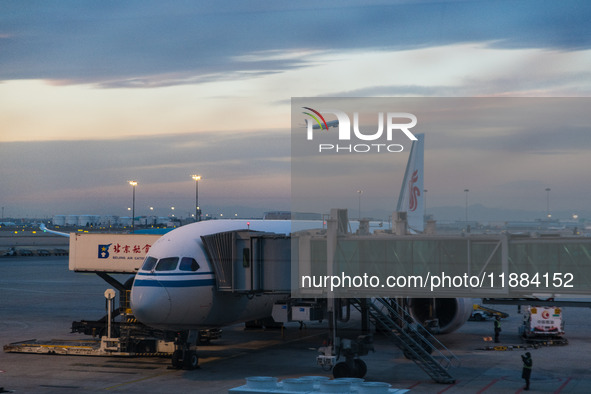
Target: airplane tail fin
{"points": [[411, 198]]}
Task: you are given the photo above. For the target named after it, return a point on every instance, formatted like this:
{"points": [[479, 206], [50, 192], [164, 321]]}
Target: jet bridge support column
{"points": [[364, 316], [351, 350], [331, 244]]}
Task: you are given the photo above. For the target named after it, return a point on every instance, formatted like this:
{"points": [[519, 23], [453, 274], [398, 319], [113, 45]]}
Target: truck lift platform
{"points": [[480, 312], [83, 347]]}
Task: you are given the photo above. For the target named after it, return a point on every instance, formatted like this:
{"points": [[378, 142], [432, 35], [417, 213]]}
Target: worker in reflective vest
{"points": [[497, 328], [526, 372]]}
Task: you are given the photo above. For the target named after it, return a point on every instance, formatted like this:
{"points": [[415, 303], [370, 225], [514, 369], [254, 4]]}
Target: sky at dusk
{"points": [[94, 94]]}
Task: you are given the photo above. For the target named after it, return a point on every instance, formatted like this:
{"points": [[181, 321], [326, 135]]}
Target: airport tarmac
{"points": [[40, 298]]}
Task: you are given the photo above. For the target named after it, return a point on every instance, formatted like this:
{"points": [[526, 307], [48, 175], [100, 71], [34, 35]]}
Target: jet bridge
{"points": [[250, 261], [385, 264], [394, 265]]}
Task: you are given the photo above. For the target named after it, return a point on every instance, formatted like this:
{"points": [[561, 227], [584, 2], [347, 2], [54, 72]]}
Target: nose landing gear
{"points": [[185, 353]]}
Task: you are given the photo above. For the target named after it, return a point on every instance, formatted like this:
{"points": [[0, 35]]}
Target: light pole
{"points": [[133, 185], [548, 203], [360, 192], [466, 191], [197, 178]]}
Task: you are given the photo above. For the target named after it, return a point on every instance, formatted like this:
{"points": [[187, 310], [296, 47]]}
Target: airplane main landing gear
{"points": [[185, 353], [353, 366]]}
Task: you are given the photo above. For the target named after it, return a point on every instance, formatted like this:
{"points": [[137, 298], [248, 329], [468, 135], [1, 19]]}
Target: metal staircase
{"points": [[412, 338]]}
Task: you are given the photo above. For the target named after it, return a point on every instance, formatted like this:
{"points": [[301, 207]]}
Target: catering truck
{"points": [[118, 333]]}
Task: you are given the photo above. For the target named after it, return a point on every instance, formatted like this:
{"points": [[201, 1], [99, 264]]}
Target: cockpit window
{"points": [[167, 264], [149, 263], [188, 264]]}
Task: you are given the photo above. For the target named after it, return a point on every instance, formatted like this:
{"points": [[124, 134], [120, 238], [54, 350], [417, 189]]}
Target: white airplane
{"points": [[322, 126], [329, 124], [175, 289], [46, 230]]}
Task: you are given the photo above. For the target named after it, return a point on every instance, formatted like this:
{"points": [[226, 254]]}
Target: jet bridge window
{"points": [[149, 263], [167, 264], [188, 264]]}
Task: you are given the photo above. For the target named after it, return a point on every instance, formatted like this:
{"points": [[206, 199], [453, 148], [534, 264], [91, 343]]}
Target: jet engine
{"points": [[449, 314]]}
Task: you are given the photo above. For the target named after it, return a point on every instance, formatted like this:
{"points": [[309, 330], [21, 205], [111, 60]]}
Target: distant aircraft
{"points": [[46, 230], [332, 123], [175, 289]]}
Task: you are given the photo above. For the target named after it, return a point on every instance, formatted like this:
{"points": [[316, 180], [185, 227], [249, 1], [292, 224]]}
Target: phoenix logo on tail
{"points": [[413, 192]]}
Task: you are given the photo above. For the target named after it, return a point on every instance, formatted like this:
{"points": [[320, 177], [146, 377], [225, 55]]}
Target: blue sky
{"points": [[97, 93]]}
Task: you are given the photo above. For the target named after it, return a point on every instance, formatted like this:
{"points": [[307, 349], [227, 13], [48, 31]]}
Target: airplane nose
{"points": [[150, 302]]}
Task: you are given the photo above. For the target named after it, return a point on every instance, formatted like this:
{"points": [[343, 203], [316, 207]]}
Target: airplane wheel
{"points": [[192, 361], [360, 368], [341, 370], [176, 359]]}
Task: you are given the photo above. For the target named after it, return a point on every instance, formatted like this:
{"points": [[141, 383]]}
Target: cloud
{"points": [[397, 91], [488, 145], [146, 67], [145, 44], [94, 173]]}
